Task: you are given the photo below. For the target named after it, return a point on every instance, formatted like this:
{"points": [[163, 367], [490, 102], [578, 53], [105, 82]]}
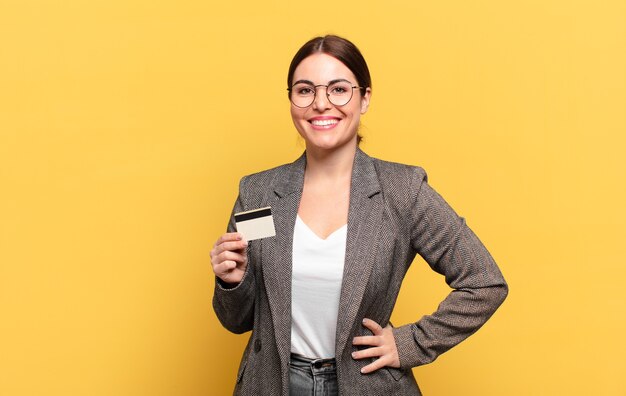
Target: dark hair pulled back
{"points": [[339, 48]]}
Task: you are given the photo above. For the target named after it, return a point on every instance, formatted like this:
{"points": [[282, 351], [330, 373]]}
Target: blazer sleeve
{"points": [[450, 247], [234, 305]]}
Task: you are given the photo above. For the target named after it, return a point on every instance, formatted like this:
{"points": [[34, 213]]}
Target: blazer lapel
{"points": [[277, 252], [364, 217]]}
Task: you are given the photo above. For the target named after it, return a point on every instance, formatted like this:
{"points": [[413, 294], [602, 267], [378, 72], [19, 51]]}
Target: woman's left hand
{"points": [[383, 347]]}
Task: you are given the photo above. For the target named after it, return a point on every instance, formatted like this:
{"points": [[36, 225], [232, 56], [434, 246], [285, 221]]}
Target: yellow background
{"points": [[126, 125]]}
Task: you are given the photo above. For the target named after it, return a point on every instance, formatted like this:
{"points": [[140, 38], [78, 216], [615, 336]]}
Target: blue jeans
{"points": [[312, 377]]}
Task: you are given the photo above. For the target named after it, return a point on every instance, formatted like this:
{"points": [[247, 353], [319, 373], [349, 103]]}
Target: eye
{"points": [[339, 89], [303, 90]]}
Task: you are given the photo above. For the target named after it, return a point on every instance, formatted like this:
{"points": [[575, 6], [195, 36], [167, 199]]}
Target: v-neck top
{"points": [[317, 274]]}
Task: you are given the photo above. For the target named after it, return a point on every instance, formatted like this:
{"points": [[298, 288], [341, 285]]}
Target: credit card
{"points": [[255, 224]]}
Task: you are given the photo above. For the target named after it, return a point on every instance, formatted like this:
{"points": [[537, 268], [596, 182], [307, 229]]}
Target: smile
{"points": [[324, 123]]}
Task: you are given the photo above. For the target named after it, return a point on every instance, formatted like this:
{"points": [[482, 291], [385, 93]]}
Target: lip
{"points": [[324, 123]]}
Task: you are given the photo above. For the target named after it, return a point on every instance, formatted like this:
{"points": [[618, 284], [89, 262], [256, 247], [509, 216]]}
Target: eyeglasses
{"points": [[302, 94]]}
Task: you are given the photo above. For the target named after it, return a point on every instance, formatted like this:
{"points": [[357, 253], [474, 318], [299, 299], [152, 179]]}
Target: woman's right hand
{"points": [[229, 257]]}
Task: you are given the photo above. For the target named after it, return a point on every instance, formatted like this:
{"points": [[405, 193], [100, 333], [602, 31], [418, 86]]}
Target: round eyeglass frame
{"points": [[327, 94]]}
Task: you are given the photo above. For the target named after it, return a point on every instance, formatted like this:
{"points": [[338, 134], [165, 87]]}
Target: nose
{"points": [[321, 101]]}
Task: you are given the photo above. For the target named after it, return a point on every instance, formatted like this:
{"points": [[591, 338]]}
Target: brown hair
{"points": [[339, 48]]}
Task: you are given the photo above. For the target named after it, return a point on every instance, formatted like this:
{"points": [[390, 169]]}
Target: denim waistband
{"points": [[302, 361]]}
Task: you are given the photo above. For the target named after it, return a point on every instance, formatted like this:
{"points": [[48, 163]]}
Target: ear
{"points": [[365, 100]]}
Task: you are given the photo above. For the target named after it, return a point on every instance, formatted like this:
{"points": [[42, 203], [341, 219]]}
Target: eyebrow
{"points": [[309, 82]]}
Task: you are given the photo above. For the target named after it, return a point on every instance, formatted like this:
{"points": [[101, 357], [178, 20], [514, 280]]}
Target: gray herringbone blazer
{"points": [[394, 214]]}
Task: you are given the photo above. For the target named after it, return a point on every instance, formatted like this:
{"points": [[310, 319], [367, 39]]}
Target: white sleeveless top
{"points": [[316, 278]]}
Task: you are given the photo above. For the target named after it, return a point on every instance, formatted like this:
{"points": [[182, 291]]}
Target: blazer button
{"points": [[257, 345]]}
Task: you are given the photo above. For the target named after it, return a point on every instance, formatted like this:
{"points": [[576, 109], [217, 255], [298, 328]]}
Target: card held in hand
{"points": [[255, 224]]}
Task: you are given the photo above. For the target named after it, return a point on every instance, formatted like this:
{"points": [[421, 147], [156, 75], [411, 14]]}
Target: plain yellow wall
{"points": [[125, 126]]}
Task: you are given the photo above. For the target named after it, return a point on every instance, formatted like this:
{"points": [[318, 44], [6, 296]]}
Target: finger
{"points": [[230, 256], [224, 268], [373, 326], [366, 340], [235, 245], [234, 262], [375, 365], [231, 245], [229, 236], [368, 353]]}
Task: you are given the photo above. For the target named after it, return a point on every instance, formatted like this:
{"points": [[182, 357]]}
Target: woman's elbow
{"points": [[500, 293]]}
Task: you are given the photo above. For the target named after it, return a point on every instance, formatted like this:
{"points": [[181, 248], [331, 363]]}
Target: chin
{"points": [[326, 140], [329, 144]]}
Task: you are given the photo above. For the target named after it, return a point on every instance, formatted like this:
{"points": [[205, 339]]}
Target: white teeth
{"points": [[324, 122]]}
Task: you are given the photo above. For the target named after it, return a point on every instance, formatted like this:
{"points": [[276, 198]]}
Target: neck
{"points": [[333, 165]]}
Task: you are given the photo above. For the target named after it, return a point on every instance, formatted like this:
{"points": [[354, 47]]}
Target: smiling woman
{"points": [[331, 119], [343, 51], [319, 294]]}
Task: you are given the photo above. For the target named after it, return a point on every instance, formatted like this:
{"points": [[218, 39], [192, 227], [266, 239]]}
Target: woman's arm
{"points": [[234, 293], [450, 247]]}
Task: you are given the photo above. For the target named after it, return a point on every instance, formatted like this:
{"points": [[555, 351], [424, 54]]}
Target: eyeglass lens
{"points": [[338, 93]]}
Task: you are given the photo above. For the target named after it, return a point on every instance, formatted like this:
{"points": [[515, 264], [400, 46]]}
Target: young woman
{"points": [[318, 296]]}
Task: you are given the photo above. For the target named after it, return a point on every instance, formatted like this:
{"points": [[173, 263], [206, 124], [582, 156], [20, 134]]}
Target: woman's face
{"points": [[324, 125]]}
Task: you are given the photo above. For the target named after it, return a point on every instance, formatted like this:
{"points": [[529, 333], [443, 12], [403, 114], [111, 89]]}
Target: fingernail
{"points": [[353, 354], [364, 320], [363, 371]]}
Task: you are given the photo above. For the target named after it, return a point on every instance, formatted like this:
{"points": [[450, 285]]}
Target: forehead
{"points": [[321, 68]]}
